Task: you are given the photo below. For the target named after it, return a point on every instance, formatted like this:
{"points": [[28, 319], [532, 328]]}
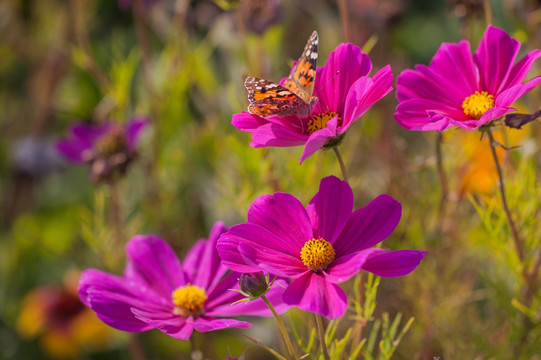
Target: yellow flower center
{"points": [[189, 300], [113, 142], [319, 121], [316, 254], [477, 104]]}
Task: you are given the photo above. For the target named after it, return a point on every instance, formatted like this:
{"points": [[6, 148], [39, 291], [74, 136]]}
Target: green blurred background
{"points": [[182, 63]]}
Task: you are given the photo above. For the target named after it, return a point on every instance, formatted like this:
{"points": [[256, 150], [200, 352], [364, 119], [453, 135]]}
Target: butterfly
{"points": [[295, 96]]}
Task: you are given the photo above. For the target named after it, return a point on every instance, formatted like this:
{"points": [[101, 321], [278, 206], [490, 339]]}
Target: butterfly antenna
{"points": [[328, 81]]}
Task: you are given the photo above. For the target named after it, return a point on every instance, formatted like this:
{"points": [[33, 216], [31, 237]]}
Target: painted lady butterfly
{"points": [[295, 96]]}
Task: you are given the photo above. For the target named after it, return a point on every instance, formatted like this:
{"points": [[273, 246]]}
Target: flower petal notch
{"points": [[157, 291], [465, 90], [319, 246]]}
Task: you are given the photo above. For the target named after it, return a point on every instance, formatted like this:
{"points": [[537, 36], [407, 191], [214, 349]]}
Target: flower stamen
{"points": [[189, 300], [319, 121], [477, 104], [317, 254]]}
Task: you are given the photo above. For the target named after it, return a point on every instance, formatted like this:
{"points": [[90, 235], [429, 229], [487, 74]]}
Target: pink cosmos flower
{"points": [[107, 148], [318, 246], [157, 291], [345, 93], [458, 89]]}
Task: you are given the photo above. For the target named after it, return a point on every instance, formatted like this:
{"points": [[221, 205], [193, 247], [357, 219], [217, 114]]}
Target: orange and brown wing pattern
{"points": [[295, 96], [270, 99], [303, 76]]}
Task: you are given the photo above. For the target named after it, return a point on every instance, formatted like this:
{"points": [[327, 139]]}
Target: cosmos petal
{"points": [[369, 225], [331, 207], [154, 260], [319, 138], [312, 292], [204, 324], [344, 267], [394, 263]]}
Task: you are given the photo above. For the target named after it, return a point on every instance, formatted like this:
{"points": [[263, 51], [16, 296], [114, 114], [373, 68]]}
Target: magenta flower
{"points": [[157, 291], [320, 246], [108, 148], [345, 93], [458, 89]]}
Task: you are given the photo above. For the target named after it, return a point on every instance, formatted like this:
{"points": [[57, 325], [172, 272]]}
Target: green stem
{"points": [[259, 343], [116, 219], [359, 323], [80, 30], [529, 286], [321, 333], [143, 41], [193, 345], [342, 7], [488, 11], [282, 328], [136, 348], [341, 162], [514, 231], [441, 174]]}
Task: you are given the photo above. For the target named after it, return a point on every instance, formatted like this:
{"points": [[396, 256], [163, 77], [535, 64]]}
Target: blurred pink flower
{"points": [[107, 148], [157, 291], [458, 89]]}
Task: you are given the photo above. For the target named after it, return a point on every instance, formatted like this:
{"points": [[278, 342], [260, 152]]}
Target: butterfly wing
{"points": [[270, 99], [303, 76]]}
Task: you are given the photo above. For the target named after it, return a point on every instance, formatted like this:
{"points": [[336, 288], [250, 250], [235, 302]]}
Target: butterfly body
{"points": [[295, 96]]}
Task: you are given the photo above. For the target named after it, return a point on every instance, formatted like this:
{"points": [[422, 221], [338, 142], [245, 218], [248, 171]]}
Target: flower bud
{"points": [[253, 285]]}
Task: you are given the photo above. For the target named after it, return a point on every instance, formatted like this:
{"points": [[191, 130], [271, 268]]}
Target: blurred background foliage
{"points": [[182, 64]]}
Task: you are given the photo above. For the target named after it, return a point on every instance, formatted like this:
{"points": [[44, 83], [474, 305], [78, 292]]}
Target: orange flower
{"points": [[65, 326], [479, 173]]}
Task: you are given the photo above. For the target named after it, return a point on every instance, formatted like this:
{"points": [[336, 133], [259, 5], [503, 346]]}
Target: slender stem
{"points": [[143, 40], [536, 267], [359, 323], [488, 11], [181, 11], [273, 352], [193, 344], [136, 348], [341, 162], [82, 39], [241, 28], [362, 300], [321, 333], [514, 230], [528, 289], [342, 6], [441, 173], [282, 328], [143, 37], [116, 218]]}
